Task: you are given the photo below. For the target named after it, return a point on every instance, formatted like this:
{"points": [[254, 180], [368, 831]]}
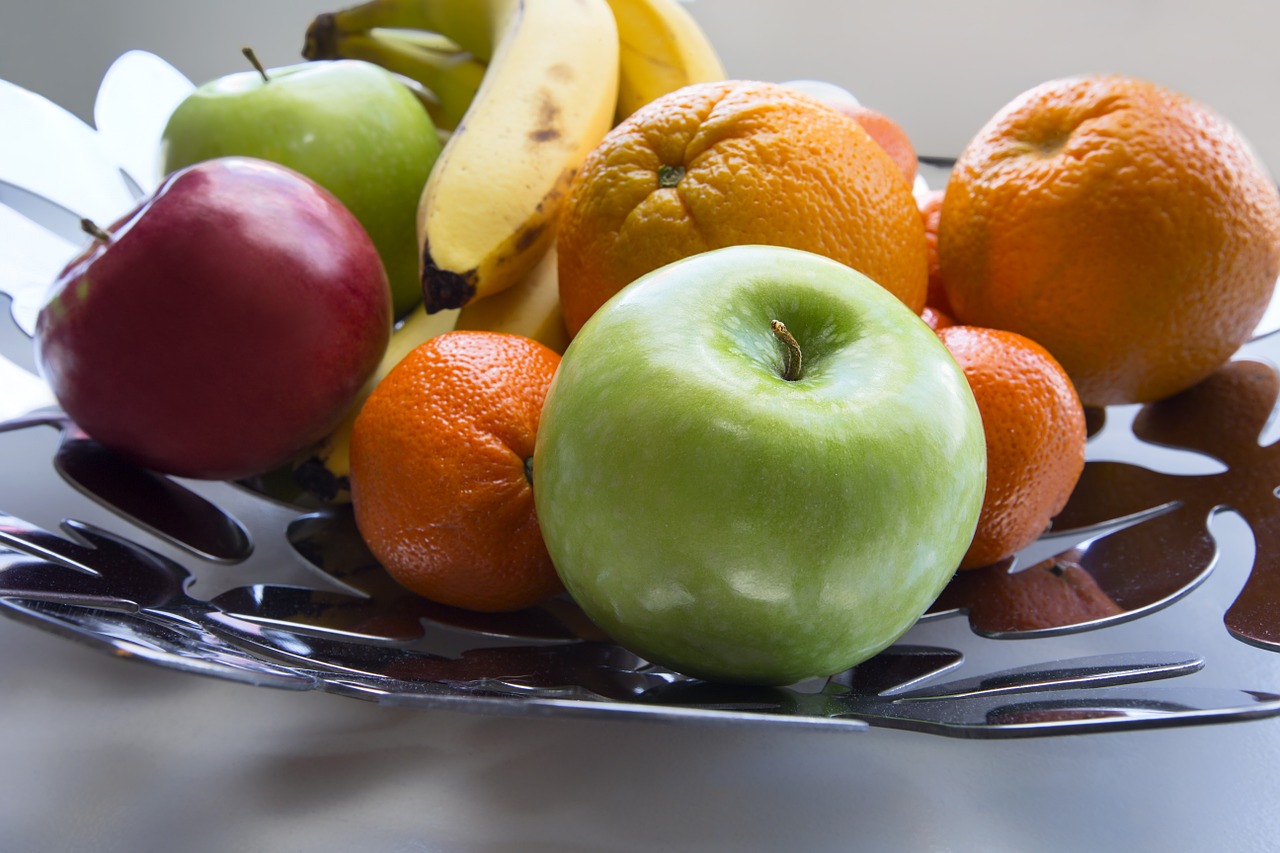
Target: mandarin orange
{"points": [[440, 471], [1035, 430]]}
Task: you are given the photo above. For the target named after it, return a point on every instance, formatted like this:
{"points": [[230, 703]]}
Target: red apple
{"points": [[221, 327]]}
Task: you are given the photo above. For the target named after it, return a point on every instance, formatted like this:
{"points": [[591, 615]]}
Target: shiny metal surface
{"points": [[1139, 539], [275, 594]]}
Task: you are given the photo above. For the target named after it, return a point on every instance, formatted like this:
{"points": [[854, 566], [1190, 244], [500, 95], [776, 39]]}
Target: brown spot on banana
{"points": [[528, 236], [547, 127], [561, 72]]}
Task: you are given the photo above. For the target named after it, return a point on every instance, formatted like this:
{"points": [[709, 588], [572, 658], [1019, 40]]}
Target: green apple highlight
{"points": [[350, 126], [717, 517]]}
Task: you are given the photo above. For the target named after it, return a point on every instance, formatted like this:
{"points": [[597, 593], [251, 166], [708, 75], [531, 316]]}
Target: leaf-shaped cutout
{"points": [[1222, 417], [1073, 712], [382, 610], [174, 645], [107, 571], [50, 152], [31, 259], [602, 669], [1095, 671], [135, 99], [1050, 596], [152, 501], [1108, 491], [1254, 617], [1270, 321], [23, 392], [899, 667]]}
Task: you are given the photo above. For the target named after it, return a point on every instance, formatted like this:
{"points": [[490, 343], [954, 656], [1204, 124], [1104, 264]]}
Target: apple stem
{"points": [[791, 368], [253, 60], [95, 231]]}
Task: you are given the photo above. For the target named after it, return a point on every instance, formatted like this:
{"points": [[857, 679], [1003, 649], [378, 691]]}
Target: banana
{"points": [[488, 212], [530, 307], [547, 97], [450, 75], [462, 22], [662, 49], [323, 471]]}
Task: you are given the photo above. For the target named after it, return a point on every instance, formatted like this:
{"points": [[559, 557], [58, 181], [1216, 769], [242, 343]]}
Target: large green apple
{"points": [[719, 515], [350, 126]]}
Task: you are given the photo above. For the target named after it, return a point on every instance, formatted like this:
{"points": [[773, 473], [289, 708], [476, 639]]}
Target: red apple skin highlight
{"points": [[226, 325]]}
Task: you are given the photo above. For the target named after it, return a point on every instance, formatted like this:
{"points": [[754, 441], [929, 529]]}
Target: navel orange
{"points": [[1126, 228], [728, 163]]}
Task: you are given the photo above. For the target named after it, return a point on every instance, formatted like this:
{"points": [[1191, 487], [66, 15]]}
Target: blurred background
{"points": [[941, 69]]}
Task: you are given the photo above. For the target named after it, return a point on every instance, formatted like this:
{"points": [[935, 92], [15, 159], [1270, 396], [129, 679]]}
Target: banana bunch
{"points": [[661, 49], [525, 89]]}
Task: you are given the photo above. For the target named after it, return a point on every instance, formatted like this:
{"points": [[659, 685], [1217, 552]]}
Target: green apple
{"points": [[734, 512], [349, 125]]}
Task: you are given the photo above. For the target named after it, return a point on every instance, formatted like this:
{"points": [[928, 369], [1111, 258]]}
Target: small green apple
{"points": [[726, 509], [349, 125]]}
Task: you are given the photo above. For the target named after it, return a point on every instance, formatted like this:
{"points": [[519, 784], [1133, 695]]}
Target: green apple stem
{"points": [[95, 231], [791, 369], [253, 60]]}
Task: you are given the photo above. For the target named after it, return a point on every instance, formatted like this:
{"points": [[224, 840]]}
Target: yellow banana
{"points": [[530, 307], [450, 75], [489, 211], [323, 472], [547, 97], [662, 49]]}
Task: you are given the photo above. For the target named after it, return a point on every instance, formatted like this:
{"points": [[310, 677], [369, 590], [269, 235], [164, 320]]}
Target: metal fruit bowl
{"points": [[249, 582]]}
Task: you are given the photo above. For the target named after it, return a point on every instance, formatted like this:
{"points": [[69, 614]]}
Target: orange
{"points": [[931, 212], [1050, 594], [440, 471], [1035, 430], [728, 163], [1126, 228], [935, 319], [889, 135]]}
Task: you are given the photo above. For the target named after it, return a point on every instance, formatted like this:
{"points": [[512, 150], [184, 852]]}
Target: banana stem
{"points": [[374, 13]]}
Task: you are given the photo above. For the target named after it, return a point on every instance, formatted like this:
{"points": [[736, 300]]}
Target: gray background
{"points": [[940, 68]]}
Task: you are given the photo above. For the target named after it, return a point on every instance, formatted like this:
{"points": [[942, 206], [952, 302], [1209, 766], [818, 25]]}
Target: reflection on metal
{"points": [[1141, 537], [317, 612]]}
